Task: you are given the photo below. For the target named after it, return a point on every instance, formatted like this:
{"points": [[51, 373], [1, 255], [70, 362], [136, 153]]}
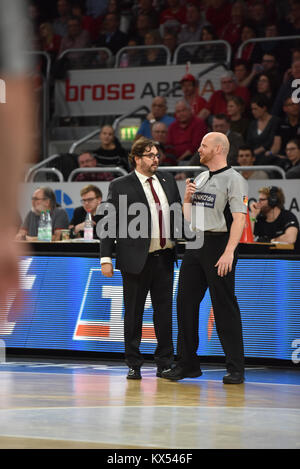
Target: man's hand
{"points": [[224, 264], [107, 270]]}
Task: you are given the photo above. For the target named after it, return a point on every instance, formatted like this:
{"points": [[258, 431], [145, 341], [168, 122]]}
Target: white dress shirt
{"points": [[155, 239]]}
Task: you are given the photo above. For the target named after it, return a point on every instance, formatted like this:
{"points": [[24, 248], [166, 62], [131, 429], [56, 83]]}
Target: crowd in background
{"points": [[255, 99]]}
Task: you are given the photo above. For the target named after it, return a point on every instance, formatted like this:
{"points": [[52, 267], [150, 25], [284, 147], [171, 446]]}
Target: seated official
{"points": [[43, 199], [270, 221], [91, 198]]}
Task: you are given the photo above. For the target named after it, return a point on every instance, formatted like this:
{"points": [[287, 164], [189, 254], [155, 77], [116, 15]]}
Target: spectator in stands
{"points": [[43, 199], [274, 47], [131, 57], [192, 28], [190, 90], [141, 26], [270, 221], [87, 159], [235, 111], [96, 8], [174, 11], [49, 41], [111, 36], [218, 101], [170, 41], [145, 7], [206, 53], [186, 132], [293, 154], [286, 90], [158, 113], [247, 158], [262, 129], [60, 24], [218, 13], [250, 52], [221, 123], [110, 152], [245, 73], [88, 23], [76, 38], [266, 86], [231, 31], [160, 135], [293, 25], [155, 56], [91, 198], [258, 16], [288, 127], [270, 66]]}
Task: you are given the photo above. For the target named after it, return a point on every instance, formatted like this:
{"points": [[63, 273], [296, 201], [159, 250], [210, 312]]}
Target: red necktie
{"points": [[162, 239]]}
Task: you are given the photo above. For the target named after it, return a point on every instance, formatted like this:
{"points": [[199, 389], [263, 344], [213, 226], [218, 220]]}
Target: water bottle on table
{"points": [[48, 228], [42, 227], [88, 227]]}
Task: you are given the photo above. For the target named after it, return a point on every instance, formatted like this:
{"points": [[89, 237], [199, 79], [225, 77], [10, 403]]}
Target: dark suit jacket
{"points": [[131, 253]]}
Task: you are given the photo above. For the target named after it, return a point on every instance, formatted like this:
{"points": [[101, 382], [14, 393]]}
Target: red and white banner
{"points": [[118, 91]]}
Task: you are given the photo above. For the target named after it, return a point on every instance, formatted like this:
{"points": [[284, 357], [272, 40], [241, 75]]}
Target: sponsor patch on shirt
{"points": [[207, 200], [245, 200]]}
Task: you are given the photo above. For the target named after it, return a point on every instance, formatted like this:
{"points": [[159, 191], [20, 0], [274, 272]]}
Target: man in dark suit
{"points": [[145, 250], [111, 36]]}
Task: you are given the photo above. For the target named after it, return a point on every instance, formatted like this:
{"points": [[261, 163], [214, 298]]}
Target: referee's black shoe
{"points": [[134, 373], [233, 378], [178, 373]]}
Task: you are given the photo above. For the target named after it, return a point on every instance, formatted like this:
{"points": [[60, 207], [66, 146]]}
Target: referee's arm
{"points": [[224, 264]]}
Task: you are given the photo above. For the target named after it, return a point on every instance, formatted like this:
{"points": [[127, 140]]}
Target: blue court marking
{"points": [[264, 375]]}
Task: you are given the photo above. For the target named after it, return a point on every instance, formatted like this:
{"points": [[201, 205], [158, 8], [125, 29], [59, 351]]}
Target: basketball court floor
{"points": [[56, 404]]}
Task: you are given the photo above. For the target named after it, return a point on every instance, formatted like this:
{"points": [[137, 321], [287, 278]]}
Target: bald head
{"points": [[213, 150], [219, 139]]}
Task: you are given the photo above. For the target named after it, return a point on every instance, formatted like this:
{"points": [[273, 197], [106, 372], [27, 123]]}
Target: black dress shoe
{"points": [[178, 373], [134, 373], [160, 371], [233, 378]]}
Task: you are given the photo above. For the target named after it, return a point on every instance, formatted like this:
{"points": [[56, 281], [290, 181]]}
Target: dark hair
{"points": [[222, 117], [261, 100], [246, 147], [210, 30], [139, 147]]}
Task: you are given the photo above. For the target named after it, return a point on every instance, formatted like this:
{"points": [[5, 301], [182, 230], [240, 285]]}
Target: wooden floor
{"points": [[67, 405]]}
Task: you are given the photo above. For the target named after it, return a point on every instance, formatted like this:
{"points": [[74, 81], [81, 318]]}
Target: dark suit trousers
{"points": [[198, 272], [156, 277]]}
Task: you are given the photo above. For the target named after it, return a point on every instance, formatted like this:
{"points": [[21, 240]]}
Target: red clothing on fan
{"points": [[197, 104], [219, 16], [218, 103], [168, 14], [181, 139]]}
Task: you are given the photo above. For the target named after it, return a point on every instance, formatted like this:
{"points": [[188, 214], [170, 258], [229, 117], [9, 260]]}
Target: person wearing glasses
{"points": [[144, 228], [271, 222], [43, 199], [91, 198]]}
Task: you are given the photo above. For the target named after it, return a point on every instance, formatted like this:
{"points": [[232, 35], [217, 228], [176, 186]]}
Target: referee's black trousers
{"points": [[197, 273], [156, 278]]}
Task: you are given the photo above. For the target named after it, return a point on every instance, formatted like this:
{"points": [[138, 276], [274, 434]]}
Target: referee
{"points": [[215, 204]]}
